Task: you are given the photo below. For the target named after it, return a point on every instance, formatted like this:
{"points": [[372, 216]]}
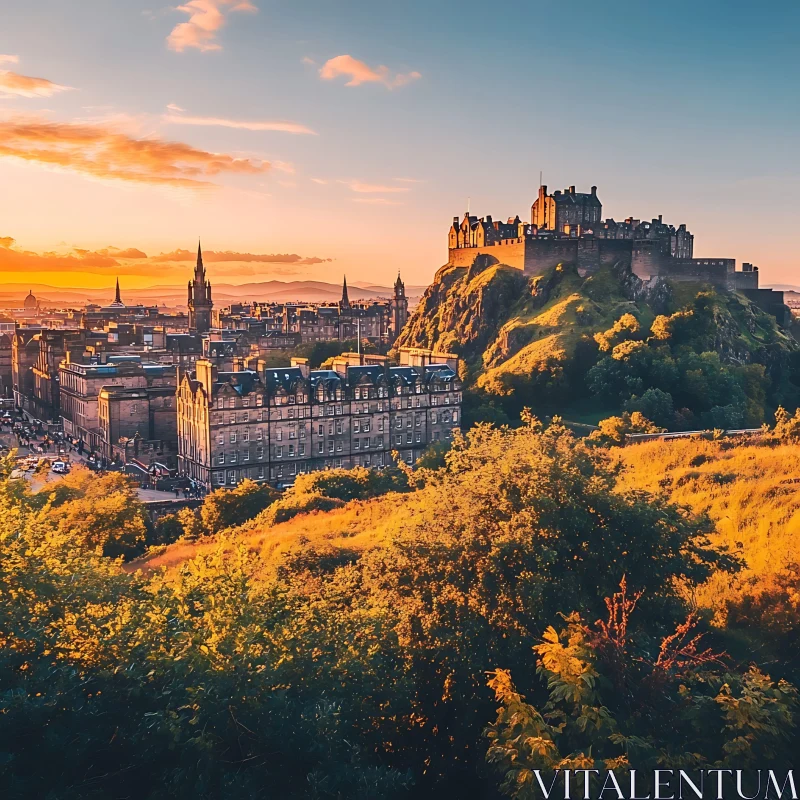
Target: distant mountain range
{"points": [[13, 294]]}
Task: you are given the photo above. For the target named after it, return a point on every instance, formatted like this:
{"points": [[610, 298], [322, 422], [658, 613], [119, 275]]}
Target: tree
{"points": [[225, 508], [614, 430]]}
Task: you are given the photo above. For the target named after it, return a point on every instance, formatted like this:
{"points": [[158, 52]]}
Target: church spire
{"points": [[199, 270], [345, 298], [117, 298]]}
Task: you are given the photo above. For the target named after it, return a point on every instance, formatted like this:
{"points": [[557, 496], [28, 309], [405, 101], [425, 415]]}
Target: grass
{"points": [[751, 491]]}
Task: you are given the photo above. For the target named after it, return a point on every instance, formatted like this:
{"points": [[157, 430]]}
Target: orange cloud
{"points": [[103, 152], [282, 127], [211, 257], [130, 252], [360, 72], [206, 17], [372, 188], [24, 85]]}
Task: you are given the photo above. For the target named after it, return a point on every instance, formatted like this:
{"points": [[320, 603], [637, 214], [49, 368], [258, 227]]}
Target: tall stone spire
{"points": [[345, 298], [117, 298], [200, 303]]}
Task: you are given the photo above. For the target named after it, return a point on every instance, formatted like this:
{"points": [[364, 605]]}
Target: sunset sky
{"points": [[310, 138]]}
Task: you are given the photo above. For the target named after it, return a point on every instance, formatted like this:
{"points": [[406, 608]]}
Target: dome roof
{"points": [[31, 301]]}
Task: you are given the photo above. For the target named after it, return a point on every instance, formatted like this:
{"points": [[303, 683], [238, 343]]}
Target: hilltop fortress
{"points": [[566, 227]]}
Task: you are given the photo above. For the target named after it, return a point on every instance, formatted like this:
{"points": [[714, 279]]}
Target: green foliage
{"points": [[225, 508], [607, 684], [614, 430], [787, 427]]}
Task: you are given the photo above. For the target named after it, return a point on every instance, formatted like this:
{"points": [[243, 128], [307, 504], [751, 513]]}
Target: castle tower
{"points": [[398, 309], [200, 303]]}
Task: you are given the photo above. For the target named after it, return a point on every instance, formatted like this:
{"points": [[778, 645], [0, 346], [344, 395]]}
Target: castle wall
{"points": [[648, 259], [510, 252], [587, 254]]}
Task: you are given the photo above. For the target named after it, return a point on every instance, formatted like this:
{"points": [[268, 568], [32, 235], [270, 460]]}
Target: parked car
{"points": [[60, 468]]}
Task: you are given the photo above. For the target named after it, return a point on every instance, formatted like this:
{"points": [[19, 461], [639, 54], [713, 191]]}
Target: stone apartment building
{"points": [[102, 403], [275, 424]]}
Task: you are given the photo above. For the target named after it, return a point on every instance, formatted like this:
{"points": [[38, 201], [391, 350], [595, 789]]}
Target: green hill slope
{"points": [[590, 346]]}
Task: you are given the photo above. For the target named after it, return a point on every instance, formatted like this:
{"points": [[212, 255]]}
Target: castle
{"points": [[567, 228]]}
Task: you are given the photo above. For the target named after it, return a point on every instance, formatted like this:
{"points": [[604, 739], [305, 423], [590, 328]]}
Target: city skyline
{"points": [[303, 141]]}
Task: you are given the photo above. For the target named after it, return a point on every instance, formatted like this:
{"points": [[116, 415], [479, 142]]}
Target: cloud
{"points": [[214, 257], [376, 201], [408, 180], [282, 127], [307, 60], [129, 252], [132, 261], [359, 73], [319, 181], [372, 188], [173, 107], [12, 83], [206, 17], [103, 152]]}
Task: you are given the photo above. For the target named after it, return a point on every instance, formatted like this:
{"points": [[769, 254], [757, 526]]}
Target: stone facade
{"points": [[276, 424]]}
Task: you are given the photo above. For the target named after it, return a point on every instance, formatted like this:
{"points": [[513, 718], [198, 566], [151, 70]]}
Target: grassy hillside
{"points": [[560, 343], [750, 491]]}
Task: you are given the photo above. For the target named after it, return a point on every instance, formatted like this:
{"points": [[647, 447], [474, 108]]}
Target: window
{"points": [[233, 419], [356, 444], [259, 452], [246, 455], [338, 427], [417, 420], [339, 446], [219, 477], [259, 435], [455, 415], [398, 440], [366, 443], [433, 417], [234, 456], [221, 439], [221, 458], [380, 442], [260, 415], [303, 432], [338, 408], [380, 425], [259, 401], [233, 438], [356, 426], [366, 427], [245, 402], [279, 451], [231, 477], [278, 435], [320, 447], [366, 461], [321, 430], [398, 422], [330, 446], [232, 404], [301, 450], [293, 433], [133, 408], [408, 438], [261, 471], [418, 437], [291, 413]]}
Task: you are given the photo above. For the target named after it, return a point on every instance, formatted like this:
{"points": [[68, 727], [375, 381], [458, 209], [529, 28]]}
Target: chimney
{"points": [[542, 190], [594, 191], [659, 218], [206, 374], [302, 365], [572, 190]]}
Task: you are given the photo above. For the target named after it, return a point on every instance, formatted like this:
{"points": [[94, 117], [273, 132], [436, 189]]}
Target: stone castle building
{"points": [[274, 424], [200, 303], [567, 228]]}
